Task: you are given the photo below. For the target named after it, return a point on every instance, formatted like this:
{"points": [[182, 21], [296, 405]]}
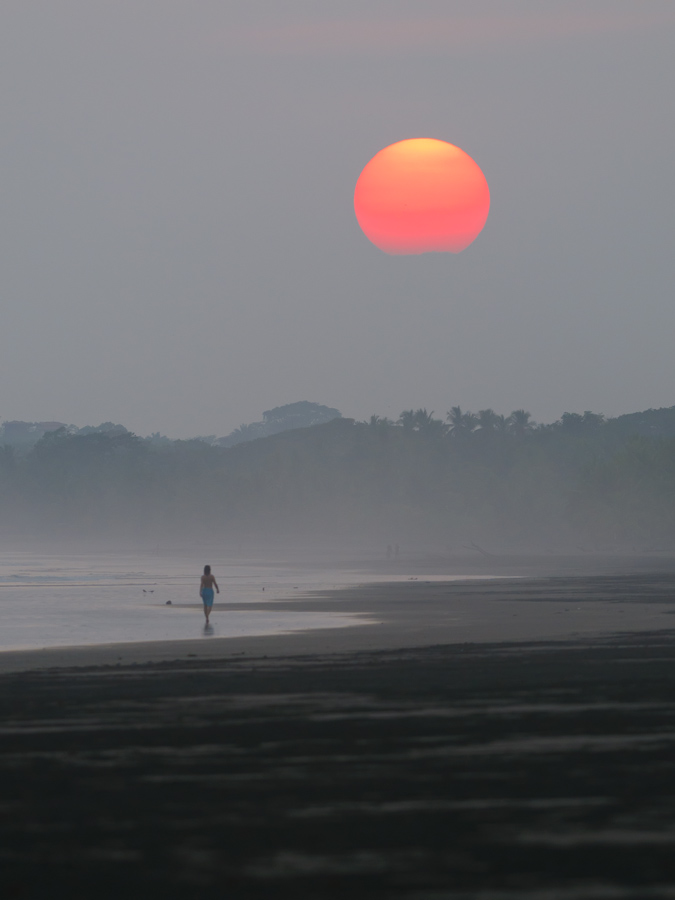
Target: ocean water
{"points": [[61, 600], [76, 600]]}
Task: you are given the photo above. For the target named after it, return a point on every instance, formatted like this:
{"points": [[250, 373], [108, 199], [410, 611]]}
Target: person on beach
{"points": [[206, 586]]}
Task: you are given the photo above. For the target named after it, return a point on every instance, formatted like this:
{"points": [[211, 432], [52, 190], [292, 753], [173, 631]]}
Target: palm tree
{"points": [[461, 423], [427, 425], [519, 422], [455, 417], [501, 425], [380, 423], [407, 419], [422, 422], [487, 420]]}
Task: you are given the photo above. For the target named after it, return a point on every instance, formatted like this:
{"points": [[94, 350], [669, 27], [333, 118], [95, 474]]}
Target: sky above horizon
{"points": [[180, 250]]}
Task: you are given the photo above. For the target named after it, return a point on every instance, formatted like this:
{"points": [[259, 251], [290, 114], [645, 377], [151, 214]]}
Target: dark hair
{"points": [[207, 570]]}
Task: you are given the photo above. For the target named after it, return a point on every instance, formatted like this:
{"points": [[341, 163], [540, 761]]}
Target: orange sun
{"points": [[422, 196]]}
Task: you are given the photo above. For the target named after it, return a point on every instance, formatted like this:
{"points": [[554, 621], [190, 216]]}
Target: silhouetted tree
{"points": [[407, 419], [461, 424], [519, 422], [580, 476], [426, 424], [487, 421], [574, 423]]}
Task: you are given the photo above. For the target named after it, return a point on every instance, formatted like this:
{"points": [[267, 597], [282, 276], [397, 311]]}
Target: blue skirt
{"points": [[207, 596]]}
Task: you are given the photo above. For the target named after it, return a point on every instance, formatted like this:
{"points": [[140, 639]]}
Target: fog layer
{"points": [[483, 483]]}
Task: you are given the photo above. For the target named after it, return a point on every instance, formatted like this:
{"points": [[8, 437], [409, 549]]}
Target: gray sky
{"points": [[179, 248]]}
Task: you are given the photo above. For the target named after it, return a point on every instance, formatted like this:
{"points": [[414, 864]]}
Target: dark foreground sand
{"points": [[508, 740]]}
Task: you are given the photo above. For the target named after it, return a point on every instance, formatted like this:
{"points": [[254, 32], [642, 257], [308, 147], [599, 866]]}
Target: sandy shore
{"points": [[502, 740], [414, 613]]}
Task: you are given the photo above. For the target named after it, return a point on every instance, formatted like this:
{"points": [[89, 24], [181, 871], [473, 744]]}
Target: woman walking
{"points": [[206, 586]]}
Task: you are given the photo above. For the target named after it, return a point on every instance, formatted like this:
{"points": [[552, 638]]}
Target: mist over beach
{"points": [[306, 479]]}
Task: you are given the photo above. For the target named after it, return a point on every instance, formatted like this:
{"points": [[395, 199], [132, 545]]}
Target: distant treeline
{"points": [[24, 435], [482, 481]]}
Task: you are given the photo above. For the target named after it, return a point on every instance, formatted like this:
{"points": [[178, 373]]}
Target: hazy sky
{"points": [[179, 247]]}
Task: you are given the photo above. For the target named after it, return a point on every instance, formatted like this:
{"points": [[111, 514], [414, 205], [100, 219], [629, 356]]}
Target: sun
{"points": [[422, 196]]}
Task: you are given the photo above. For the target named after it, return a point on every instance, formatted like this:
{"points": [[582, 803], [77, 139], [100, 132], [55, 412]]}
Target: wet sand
{"points": [[502, 739], [411, 613]]}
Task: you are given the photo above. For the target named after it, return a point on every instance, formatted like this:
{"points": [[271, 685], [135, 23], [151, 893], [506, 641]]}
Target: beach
{"points": [[511, 737], [309, 609]]}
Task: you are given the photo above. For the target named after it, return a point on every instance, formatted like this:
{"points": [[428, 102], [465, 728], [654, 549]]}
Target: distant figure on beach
{"points": [[206, 586]]}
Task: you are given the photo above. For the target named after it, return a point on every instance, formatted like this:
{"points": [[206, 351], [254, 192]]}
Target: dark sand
{"points": [[491, 740]]}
